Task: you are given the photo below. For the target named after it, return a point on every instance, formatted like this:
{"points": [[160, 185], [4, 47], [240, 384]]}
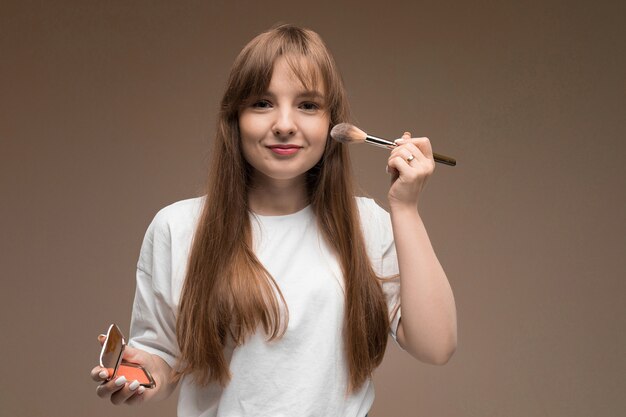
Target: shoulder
{"points": [[375, 224], [170, 231], [369, 210], [174, 221], [366, 203], [181, 214], [181, 210]]}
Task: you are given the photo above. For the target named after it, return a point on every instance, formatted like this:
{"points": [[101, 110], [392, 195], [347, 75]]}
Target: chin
{"points": [[286, 176]]}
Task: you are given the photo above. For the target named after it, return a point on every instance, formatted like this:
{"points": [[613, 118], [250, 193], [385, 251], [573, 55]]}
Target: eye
{"points": [[261, 104], [310, 106]]}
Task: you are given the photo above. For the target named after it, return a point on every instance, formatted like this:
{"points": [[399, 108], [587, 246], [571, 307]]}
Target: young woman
{"points": [[273, 295]]}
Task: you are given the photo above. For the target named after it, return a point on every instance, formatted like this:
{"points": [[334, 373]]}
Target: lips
{"points": [[284, 149]]}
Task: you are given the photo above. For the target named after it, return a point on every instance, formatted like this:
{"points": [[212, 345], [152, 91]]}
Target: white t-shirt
{"points": [[302, 374]]}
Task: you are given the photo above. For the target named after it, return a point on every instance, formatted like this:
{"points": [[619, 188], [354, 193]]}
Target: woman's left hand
{"points": [[410, 164]]}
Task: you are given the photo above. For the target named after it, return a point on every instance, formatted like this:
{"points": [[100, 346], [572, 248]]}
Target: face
{"points": [[284, 131]]}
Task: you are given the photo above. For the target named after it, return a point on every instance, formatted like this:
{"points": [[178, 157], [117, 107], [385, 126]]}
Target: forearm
{"points": [[428, 325]]}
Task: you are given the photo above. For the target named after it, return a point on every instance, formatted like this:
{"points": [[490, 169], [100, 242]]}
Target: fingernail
{"points": [[103, 374], [133, 385], [406, 134], [120, 381], [102, 335], [141, 390], [399, 141], [387, 168]]}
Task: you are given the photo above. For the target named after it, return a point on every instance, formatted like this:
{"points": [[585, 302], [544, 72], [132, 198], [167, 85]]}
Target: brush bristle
{"points": [[347, 133]]}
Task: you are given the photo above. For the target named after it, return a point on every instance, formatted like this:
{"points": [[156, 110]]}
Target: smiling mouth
{"points": [[284, 149]]}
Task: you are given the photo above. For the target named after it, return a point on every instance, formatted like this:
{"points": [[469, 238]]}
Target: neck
{"points": [[272, 197]]}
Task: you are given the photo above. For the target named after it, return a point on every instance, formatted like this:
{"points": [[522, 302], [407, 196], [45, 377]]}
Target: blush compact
{"points": [[111, 359]]}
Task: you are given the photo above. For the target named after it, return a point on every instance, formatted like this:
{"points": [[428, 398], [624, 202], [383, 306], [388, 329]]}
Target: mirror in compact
{"points": [[111, 359]]}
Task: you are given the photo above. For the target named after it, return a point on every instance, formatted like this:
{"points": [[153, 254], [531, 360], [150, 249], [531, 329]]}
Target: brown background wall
{"points": [[107, 109]]}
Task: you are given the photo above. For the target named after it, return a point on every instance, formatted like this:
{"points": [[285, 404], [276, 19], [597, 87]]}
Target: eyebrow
{"points": [[304, 94], [311, 94]]}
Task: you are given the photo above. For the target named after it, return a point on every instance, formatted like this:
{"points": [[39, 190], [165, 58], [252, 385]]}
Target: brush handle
{"points": [[443, 159], [384, 143]]}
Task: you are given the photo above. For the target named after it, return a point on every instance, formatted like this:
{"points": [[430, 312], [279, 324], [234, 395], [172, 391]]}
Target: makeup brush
{"points": [[347, 133]]}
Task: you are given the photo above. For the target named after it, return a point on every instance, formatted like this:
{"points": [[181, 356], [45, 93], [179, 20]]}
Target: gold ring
{"points": [[410, 158]]}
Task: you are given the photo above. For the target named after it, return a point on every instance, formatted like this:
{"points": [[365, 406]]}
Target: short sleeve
{"points": [[153, 321], [378, 233]]}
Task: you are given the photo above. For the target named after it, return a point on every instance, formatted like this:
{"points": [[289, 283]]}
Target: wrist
{"points": [[402, 208], [164, 377]]}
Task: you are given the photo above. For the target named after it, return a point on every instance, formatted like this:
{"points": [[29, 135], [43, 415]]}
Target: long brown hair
{"points": [[227, 291]]}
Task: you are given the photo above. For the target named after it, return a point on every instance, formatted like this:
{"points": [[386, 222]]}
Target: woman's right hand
{"points": [[121, 391]]}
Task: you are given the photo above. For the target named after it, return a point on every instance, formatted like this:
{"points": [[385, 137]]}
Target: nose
{"points": [[284, 125]]}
